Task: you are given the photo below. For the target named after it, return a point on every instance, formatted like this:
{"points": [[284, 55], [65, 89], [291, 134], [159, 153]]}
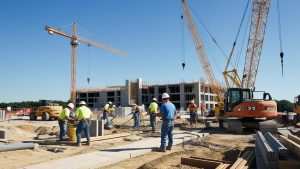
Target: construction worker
{"points": [[192, 108], [63, 117], [153, 110], [136, 115], [108, 108], [167, 111], [83, 115]]}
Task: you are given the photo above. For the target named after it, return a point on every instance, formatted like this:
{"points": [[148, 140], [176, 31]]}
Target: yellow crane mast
{"points": [[202, 54], [259, 18], [74, 43]]}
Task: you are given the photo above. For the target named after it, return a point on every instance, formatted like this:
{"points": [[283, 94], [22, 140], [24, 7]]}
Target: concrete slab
{"points": [[110, 156]]}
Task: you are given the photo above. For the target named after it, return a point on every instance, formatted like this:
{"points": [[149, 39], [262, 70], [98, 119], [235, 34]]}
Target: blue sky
{"points": [[35, 65]]}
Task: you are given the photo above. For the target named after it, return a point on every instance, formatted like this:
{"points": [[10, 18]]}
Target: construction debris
{"points": [[132, 138], [55, 149]]}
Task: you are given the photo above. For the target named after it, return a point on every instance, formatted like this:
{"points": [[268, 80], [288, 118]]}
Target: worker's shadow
{"points": [[130, 149]]}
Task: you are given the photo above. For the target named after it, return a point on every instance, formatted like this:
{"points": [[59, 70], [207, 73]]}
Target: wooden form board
{"points": [[291, 145], [201, 163], [294, 138]]}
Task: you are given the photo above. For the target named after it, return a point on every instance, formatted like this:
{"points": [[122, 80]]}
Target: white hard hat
{"points": [[82, 103], [165, 96], [71, 105], [154, 99], [109, 102]]}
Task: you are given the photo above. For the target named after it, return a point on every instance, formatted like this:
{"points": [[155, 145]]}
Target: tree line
{"points": [[30, 104]]}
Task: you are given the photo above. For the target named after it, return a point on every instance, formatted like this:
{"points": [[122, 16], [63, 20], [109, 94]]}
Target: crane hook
{"points": [[281, 56], [183, 65]]}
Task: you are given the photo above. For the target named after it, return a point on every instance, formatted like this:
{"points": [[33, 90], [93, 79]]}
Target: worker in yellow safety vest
{"points": [[192, 108], [107, 110], [153, 110], [62, 121], [83, 115]]}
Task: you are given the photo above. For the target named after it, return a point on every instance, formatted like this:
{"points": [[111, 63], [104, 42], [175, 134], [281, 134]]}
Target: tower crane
{"points": [[239, 102], [74, 43]]}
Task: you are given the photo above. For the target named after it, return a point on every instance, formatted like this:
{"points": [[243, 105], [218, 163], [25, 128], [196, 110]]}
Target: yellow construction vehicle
{"points": [[47, 111], [297, 107]]}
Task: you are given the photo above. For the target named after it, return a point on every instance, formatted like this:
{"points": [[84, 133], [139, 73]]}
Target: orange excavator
{"points": [[237, 108]]}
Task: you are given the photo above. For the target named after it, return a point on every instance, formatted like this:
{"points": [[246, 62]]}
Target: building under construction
{"points": [[140, 93]]}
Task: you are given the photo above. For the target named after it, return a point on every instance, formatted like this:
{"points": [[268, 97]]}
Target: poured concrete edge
{"points": [[113, 155]]}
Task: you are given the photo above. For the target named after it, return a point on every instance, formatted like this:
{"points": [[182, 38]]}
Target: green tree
{"points": [[284, 105]]}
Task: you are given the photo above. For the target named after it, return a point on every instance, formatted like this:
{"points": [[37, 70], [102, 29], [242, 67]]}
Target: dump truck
{"points": [[47, 111]]}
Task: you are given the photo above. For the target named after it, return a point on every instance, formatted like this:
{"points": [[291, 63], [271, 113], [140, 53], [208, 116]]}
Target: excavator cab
{"points": [[235, 96]]}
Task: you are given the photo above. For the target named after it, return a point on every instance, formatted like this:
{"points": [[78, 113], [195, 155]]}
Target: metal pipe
{"points": [[18, 146]]}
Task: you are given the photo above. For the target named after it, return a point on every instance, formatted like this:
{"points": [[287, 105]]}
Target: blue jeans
{"points": [[192, 117], [153, 121], [167, 130], [63, 129], [136, 118], [106, 117], [82, 125]]}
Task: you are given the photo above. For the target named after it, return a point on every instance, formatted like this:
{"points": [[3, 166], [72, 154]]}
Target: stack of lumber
{"points": [[292, 143], [204, 163], [244, 161]]}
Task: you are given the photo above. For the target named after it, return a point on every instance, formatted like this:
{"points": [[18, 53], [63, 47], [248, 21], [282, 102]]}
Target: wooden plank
{"points": [[294, 138], [240, 160], [221, 161], [199, 163], [283, 164], [291, 145], [223, 166], [247, 160]]}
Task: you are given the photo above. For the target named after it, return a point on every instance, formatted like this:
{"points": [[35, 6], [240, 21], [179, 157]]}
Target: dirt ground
{"points": [[211, 146]]}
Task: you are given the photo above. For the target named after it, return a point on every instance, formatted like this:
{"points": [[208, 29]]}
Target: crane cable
{"points": [[210, 34], [238, 32], [237, 61], [213, 39], [88, 64], [182, 42], [280, 37]]}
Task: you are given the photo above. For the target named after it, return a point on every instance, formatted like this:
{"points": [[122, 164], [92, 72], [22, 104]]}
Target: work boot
{"points": [[161, 149], [78, 144], [169, 147], [88, 143]]}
